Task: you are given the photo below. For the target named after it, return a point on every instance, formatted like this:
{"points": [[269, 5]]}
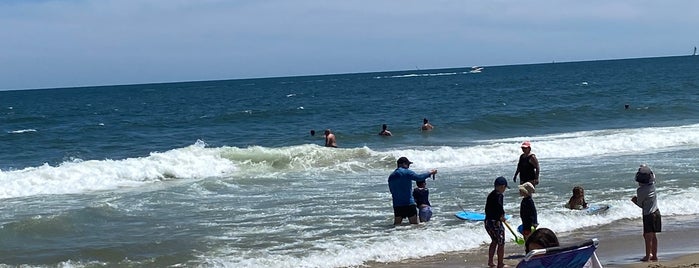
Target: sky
{"points": [[70, 43]]}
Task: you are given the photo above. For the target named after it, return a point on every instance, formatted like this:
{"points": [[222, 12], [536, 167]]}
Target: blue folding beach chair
{"points": [[568, 256]]}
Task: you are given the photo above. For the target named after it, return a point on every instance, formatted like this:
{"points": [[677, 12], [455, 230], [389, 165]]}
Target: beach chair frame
{"points": [[568, 256]]}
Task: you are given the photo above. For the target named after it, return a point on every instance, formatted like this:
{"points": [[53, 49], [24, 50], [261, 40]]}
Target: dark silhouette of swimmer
{"points": [[384, 131], [426, 124]]}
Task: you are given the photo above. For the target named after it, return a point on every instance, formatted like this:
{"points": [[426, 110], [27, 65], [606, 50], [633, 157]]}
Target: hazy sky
{"points": [[62, 43]]}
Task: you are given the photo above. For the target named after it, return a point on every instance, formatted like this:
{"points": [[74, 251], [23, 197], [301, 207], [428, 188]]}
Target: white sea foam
{"points": [[565, 145], [192, 162], [22, 131], [418, 75], [197, 161], [444, 233], [439, 236], [486, 152], [325, 226]]}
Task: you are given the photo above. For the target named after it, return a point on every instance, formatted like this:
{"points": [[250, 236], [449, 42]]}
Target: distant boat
{"points": [[476, 69]]}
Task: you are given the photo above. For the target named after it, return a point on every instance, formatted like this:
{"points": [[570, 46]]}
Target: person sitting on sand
{"points": [[541, 238], [546, 238], [577, 201]]}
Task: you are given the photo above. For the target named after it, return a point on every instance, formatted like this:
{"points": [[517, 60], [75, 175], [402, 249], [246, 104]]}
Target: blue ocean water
{"points": [[226, 174]]}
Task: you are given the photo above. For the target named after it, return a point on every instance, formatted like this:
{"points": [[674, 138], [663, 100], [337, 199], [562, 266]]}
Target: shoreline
{"points": [[621, 246]]}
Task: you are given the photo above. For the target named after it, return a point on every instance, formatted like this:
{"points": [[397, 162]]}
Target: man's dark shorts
{"points": [[405, 211], [652, 223]]}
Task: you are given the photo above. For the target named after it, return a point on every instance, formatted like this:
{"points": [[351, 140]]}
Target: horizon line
{"points": [[329, 74]]}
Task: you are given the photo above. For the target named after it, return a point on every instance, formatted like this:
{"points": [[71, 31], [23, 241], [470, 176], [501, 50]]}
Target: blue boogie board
{"points": [[474, 216], [520, 229], [594, 208], [597, 208]]}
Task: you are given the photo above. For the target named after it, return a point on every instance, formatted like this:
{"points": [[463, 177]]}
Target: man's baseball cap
{"points": [[403, 160], [526, 144]]}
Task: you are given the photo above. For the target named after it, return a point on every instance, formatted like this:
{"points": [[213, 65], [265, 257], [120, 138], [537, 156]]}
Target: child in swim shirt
{"points": [[577, 201], [527, 209], [422, 199]]}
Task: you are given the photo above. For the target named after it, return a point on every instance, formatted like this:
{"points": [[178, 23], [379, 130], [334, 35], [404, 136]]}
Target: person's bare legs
{"points": [[501, 255], [648, 239], [413, 220], [526, 234], [653, 247], [397, 220], [491, 253]]}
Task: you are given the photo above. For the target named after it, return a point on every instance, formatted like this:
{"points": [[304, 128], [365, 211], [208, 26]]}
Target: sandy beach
{"points": [[621, 246]]}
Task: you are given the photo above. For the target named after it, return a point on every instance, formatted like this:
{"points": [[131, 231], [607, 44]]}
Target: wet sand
{"points": [[621, 245]]}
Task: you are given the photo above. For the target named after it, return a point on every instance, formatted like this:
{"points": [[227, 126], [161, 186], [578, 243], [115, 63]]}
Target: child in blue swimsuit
{"points": [[422, 199]]}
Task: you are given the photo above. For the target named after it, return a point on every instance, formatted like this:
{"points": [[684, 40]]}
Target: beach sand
{"points": [[621, 246]]}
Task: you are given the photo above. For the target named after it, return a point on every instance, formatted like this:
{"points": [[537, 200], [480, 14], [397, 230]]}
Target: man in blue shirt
{"points": [[400, 182]]}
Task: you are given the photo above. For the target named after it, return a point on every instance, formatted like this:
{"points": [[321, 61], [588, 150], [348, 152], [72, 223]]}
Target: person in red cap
{"points": [[400, 183], [528, 166]]}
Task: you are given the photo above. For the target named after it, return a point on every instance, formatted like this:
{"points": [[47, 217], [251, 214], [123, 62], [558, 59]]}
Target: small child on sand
{"points": [[577, 201], [527, 209], [494, 217], [422, 199], [646, 198]]}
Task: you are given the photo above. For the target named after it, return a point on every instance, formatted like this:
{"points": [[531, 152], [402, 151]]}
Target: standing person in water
{"points": [[426, 125], [528, 166], [400, 183], [330, 139], [384, 131]]}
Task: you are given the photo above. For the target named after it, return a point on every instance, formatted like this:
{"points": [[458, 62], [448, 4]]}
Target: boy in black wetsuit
{"points": [[494, 217]]}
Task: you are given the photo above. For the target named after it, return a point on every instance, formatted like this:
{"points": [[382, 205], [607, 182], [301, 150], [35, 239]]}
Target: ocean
{"points": [[226, 173]]}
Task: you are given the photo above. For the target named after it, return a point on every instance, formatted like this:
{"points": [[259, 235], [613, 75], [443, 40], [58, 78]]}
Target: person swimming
{"points": [[384, 131], [426, 126]]}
